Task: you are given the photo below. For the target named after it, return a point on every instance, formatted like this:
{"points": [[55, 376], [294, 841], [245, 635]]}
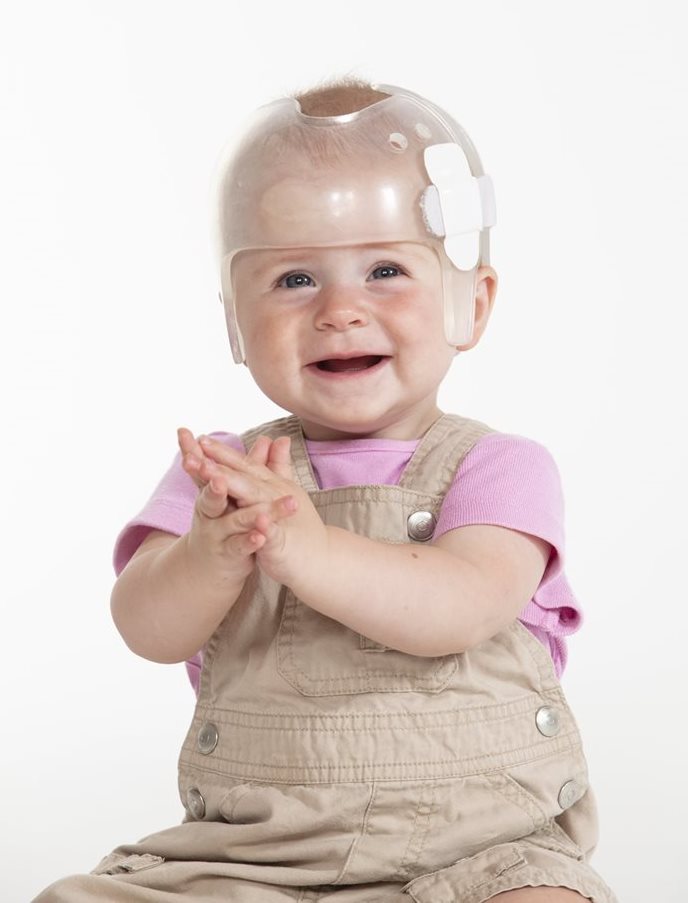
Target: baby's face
{"points": [[350, 339]]}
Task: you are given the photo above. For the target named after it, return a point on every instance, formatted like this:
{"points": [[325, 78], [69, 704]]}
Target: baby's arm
{"points": [[430, 599], [174, 591], [422, 599]]}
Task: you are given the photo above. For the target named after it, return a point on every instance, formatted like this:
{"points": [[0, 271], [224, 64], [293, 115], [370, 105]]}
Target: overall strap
{"points": [[440, 452], [431, 469], [287, 426]]}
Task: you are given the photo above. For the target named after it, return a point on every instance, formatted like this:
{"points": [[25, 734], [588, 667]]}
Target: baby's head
{"points": [[348, 216]]}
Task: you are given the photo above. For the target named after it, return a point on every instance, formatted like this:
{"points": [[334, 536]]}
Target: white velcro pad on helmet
{"points": [[462, 203]]}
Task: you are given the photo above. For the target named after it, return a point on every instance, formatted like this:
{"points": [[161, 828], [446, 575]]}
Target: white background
{"points": [[111, 117]]}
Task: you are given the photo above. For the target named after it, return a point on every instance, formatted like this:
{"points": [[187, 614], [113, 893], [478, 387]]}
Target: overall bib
{"points": [[323, 766]]}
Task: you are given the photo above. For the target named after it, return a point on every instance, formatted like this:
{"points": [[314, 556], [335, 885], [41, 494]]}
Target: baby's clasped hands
{"points": [[257, 491]]}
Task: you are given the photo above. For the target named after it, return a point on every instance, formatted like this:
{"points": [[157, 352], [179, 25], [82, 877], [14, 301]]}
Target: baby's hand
{"points": [[225, 537], [288, 546], [192, 454], [221, 534]]}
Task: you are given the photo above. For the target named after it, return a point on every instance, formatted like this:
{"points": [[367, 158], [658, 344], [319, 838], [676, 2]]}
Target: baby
{"points": [[369, 592]]}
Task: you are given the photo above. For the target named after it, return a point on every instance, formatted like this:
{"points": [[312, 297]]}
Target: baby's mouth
{"points": [[340, 365]]}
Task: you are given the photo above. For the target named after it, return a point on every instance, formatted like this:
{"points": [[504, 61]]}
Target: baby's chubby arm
{"points": [[175, 591], [422, 599]]}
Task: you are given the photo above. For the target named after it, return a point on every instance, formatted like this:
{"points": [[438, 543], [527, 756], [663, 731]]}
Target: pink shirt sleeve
{"points": [[511, 481], [169, 508]]}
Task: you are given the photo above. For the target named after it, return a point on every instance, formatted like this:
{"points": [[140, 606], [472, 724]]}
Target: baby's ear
{"points": [[485, 292]]}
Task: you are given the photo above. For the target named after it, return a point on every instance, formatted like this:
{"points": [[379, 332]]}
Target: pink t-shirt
{"points": [[505, 480]]}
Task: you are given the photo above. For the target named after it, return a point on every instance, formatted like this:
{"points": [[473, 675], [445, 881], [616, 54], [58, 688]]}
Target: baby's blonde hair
{"points": [[338, 97]]}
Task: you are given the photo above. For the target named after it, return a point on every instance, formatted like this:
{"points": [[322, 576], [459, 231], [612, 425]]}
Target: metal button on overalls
{"points": [[547, 721], [421, 525], [569, 794], [207, 738], [195, 803]]}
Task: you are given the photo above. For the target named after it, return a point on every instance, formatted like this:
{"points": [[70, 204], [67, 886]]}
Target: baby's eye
{"points": [[386, 271], [295, 280]]}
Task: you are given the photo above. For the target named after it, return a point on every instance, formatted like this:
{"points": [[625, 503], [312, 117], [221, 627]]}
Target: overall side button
{"points": [[548, 721], [195, 802], [569, 794], [207, 738]]}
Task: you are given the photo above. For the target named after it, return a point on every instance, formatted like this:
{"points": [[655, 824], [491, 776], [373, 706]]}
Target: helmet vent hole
{"points": [[398, 142]]}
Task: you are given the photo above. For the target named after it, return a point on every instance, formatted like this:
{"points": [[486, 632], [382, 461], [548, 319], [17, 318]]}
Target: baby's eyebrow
{"points": [[272, 261], [277, 261]]}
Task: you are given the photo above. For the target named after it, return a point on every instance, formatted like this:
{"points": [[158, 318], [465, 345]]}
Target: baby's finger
{"points": [[260, 450], [230, 457], [192, 466], [212, 501], [245, 544], [245, 520], [188, 444], [244, 488], [192, 455], [279, 460], [268, 527], [207, 469], [285, 506]]}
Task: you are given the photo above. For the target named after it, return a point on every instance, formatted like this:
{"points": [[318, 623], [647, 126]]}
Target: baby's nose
{"points": [[340, 308]]}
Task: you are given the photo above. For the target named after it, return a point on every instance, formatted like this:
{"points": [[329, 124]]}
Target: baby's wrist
{"points": [[214, 571], [311, 576]]}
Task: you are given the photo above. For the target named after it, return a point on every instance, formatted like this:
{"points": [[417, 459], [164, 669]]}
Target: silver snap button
{"points": [[547, 721], [569, 794], [421, 525], [195, 802], [207, 738]]}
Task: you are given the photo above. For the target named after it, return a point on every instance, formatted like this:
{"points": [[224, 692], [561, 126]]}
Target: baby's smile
{"points": [[349, 338], [350, 364]]}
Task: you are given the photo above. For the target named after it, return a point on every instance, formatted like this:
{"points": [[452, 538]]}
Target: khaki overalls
{"points": [[322, 766]]}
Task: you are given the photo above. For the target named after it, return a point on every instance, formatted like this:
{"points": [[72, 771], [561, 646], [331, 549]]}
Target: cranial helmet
{"points": [[398, 170]]}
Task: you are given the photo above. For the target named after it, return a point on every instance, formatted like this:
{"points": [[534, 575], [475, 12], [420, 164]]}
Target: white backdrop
{"points": [[111, 117]]}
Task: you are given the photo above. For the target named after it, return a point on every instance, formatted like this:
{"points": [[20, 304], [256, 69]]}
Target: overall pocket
{"points": [[319, 656]]}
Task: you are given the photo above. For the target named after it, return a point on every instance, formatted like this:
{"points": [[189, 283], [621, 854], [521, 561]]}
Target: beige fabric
{"points": [[322, 765]]}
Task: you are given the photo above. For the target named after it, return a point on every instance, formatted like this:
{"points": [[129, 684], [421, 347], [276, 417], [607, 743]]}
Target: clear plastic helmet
{"points": [[399, 170]]}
